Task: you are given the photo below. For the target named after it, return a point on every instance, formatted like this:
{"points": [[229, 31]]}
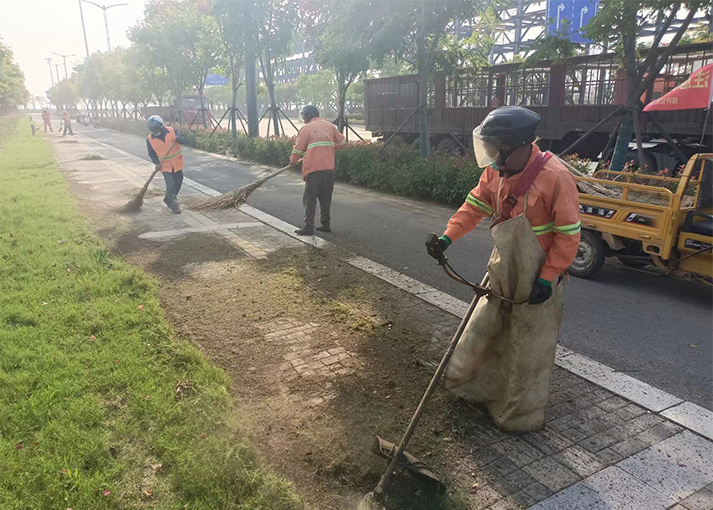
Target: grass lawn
{"points": [[101, 406]]}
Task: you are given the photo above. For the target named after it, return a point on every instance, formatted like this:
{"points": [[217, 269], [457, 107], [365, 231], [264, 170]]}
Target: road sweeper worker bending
{"points": [[316, 146], [505, 356], [504, 146], [164, 146]]}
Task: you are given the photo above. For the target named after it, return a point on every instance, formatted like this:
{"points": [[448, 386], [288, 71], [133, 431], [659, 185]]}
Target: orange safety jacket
{"points": [[172, 162], [552, 209], [316, 143]]}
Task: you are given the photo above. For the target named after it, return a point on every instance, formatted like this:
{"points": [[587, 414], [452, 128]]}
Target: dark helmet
{"points": [[155, 124], [309, 112], [504, 130]]}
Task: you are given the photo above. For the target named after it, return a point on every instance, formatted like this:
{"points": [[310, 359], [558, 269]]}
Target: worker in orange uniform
{"points": [[315, 147], [505, 354], [67, 119], [164, 147], [47, 120], [504, 146]]}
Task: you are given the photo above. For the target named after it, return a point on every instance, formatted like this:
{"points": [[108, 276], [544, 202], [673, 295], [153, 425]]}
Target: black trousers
{"points": [[67, 126], [173, 180], [318, 187]]}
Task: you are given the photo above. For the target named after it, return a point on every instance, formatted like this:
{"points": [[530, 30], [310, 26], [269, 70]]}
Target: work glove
{"points": [[435, 246], [541, 291]]}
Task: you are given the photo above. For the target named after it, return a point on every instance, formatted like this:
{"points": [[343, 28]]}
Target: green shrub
{"points": [[397, 169]]}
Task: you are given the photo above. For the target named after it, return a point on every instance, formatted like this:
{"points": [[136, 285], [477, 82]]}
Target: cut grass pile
{"points": [[101, 406]]}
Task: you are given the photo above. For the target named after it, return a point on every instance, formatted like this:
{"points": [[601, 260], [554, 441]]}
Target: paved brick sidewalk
{"points": [[597, 451]]}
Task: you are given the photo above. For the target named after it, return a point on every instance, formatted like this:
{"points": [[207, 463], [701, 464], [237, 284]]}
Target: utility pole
{"points": [[64, 57], [49, 63], [84, 30], [56, 68], [106, 21]]}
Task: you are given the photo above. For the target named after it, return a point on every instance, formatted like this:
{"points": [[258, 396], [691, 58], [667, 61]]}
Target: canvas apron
{"points": [[505, 356]]}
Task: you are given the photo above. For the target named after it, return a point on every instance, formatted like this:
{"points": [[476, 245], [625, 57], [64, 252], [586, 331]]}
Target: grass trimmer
{"points": [[398, 455], [135, 203]]}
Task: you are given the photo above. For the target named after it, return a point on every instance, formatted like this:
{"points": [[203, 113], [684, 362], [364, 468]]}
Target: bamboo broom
{"points": [[236, 198]]}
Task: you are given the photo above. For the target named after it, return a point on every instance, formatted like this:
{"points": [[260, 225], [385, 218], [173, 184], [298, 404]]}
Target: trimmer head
{"points": [[385, 449]]}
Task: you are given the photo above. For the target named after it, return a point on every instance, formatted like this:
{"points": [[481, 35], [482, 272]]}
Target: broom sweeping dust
{"points": [[135, 203], [237, 197]]}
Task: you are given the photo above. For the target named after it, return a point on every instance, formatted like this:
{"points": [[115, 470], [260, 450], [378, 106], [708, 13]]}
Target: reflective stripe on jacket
{"points": [[172, 162], [552, 209], [316, 143]]}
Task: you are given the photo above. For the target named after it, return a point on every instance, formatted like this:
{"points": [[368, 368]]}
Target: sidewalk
{"points": [[601, 449]]}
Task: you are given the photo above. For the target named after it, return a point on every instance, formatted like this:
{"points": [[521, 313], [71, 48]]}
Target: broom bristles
{"points": [[234, 199]]}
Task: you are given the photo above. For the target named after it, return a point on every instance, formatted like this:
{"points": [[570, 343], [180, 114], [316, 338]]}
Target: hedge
{"points": [[397, 169]]}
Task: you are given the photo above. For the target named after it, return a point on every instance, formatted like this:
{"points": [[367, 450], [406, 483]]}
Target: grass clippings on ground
{"points": [[101, 406]]}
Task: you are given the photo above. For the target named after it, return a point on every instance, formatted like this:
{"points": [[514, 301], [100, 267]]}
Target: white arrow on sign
{"points": [[582, 12], [560, 8]]}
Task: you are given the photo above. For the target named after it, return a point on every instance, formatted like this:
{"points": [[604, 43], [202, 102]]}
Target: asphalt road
{"points": [[654, 328]]}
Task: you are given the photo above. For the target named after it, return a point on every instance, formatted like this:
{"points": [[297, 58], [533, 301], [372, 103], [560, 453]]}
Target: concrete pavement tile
{"points": [[547, 441], [579, 460], [577, 497], [551, 474], [701, 500], [676, 467], [518, 450], [692, 417], [620, 490], [629, 446], [609, 456]]}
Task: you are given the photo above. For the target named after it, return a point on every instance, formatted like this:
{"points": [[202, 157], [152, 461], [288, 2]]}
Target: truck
{"points": [[571, 96], [190, 106], [648, 219]]}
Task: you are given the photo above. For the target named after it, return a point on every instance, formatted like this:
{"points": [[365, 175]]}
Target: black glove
{"points": [[541, 291], [435, 246]]}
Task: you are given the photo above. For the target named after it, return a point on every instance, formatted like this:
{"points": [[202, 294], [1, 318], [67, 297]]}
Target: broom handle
{"points": [[388, 474]]}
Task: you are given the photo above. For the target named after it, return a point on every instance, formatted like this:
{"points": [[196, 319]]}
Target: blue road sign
{"points": [[216, 79], [567, 18]]}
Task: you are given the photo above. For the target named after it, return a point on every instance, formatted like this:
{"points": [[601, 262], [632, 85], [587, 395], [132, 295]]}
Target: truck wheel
{"points": [[590, 256]]}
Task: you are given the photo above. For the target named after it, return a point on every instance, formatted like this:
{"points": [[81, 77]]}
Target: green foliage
{"points": [[554, 49], [89, 415], [65, 93], [318, 89], [12, 81], [442, 177]]}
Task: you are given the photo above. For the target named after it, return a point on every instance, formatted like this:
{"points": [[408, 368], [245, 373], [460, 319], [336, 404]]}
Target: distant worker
{"points": [[164, 146], [47, 120], [315, 147], [506, 354], [67, 119]]}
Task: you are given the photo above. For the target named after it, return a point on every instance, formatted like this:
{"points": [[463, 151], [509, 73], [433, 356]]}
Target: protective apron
{"points": [[505, 357]]}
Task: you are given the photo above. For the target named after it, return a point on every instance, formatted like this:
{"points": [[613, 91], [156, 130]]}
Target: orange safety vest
{"points": [[172, 162]]}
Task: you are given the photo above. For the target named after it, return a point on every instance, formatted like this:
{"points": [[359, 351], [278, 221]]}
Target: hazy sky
{"points": [[34, 29]]}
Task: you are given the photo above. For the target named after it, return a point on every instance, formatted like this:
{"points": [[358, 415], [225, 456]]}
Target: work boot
{"points": [[324, 228], [305, 231], [174, 208]]}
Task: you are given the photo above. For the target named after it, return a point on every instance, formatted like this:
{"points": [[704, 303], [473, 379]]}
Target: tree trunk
{"points": [[234, 85], [342, 88], [201, 86]]}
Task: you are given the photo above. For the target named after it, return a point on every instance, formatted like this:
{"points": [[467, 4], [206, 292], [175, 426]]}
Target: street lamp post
{"points": [[106, 20], [64, 57], [84, 30], [56, 68], [49, 63]]}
